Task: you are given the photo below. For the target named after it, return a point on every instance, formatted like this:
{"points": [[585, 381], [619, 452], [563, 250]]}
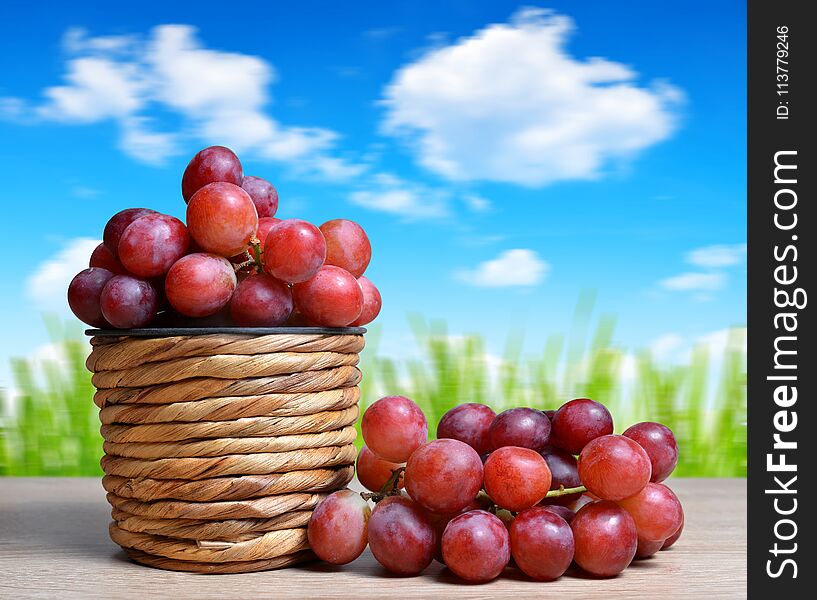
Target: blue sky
{"points": [[503, 158]]}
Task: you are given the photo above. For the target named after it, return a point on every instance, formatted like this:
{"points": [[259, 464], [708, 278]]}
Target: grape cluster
{"points": [[232, 263], [508, 488]]}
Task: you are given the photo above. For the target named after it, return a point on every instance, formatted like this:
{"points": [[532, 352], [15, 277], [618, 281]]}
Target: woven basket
{"points": [[219, 443]]}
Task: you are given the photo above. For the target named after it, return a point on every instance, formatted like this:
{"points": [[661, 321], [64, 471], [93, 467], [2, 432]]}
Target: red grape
{"points": [[128, 302], [674, 537], [516, 478], [647, 548], [199, 285], [468, 423], [104, 259], [393, 427], [656, 511], [294, 251], [580, 502], [212, 164], [565, 473], [614, 467], [374, 472], [661, 447], [263, 194], [338, 527], [605, 538], [401, 536], [372, 302], [476, 546], [84, 293], [347, 246], [152, 243], [444, 475], [332, 298], [264, 225], [261, 301], [524, 427], [440, 522], [560, 510], [117, 225], [541, 543], [579, 421], [221, 219]]}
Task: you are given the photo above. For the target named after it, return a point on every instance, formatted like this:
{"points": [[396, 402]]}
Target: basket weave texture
{"points": [[219, 446]]}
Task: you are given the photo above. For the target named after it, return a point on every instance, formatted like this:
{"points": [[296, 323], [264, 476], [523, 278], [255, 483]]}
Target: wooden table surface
{"points": [[54, 543]]}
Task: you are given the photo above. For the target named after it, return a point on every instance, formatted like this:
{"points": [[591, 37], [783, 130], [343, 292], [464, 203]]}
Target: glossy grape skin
{"points": [[117, 225], [659, 442], [84, 293], [647, 548], [578, 422], [261, 301], [401, 536], [210, 165], [564, 470], [656, 511], [294, 250], [393, 427], [347, 246], [152, 243], [476, 546], [128, 302], [332, 298], [372, 303], [614, 467], [263, 194], [516, 478], [605, 538], [221, 218], [444, 476], [674, 537], [103, 258], [541, 544], [558, 509], [523, 427], [199, 285], [441, 521], [373, 472], [338, 528], [577, 505], [264, 225], [468, 423]]}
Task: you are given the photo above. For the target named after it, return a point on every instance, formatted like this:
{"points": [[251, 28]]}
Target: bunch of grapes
{"points": [[232, 263], [492, 488]]}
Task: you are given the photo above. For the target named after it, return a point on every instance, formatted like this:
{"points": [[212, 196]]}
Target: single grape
{"points": [[294, 250], [84, 293], [656, 511], [579, 421], [614, 467], [347, 246], [117, 225], [128, 302], [199, 285], [338, 528], [605, 538], [210, 165], [647, 548], [659, 442], [332, 298], [674, 537], [261, 301], [263, 194], [468, 423], [373, 472], [264, 225], [476, 546], [104, 259], [564, 469], [577, 504], [394, 427], [523, 427], [444, 475], [441, 521], [372, 303], [401, 536], [221, 218], [541, 544], [560, 510], [152, 243], [516, 478]]}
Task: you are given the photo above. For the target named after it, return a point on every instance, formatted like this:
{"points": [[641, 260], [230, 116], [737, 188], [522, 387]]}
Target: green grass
{"points": [[54, 430]]}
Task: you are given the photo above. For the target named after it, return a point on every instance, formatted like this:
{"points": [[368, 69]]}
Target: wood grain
{"points": [[54, 543]]}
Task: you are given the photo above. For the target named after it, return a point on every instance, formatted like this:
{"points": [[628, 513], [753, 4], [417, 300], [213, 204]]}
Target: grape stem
{"points": [[255, 244], [563, 491], [390, 488]]}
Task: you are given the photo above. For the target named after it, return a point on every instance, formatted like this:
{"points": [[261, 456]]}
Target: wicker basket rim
{"points": [[176, 331]]}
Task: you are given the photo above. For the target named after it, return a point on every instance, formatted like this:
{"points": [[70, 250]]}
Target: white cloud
{"points": [[477, 203], [695, 282], [720, 255], [510, 104], [47, 285], [519, 267], [663, 347], [388, 193]]}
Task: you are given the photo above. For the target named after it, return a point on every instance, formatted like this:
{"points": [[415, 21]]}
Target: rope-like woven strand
{"points": [[170, 564]]}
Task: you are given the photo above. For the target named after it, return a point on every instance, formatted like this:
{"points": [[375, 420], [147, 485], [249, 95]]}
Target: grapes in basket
{"points": [[230, 263], [540, 491]]}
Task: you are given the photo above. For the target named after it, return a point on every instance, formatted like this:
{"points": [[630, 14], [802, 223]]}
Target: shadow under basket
{"points": [[219, 442]]}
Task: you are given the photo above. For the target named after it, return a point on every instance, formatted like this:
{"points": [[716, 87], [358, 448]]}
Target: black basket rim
{"points": [[176, 331]]}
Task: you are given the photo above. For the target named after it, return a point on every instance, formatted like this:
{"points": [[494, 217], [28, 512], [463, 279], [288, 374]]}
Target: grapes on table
{"points": [[674, 537], [541, 543], [525, 427], [393, 427], [614, 467], [564, 471], [647, 548], [516, 478], [444, 475], [578, 422], [468, 423], [605, 538], [656, 511], [374, 472], [476, 546], [338, 528], [401, 536], [659, 443]]}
